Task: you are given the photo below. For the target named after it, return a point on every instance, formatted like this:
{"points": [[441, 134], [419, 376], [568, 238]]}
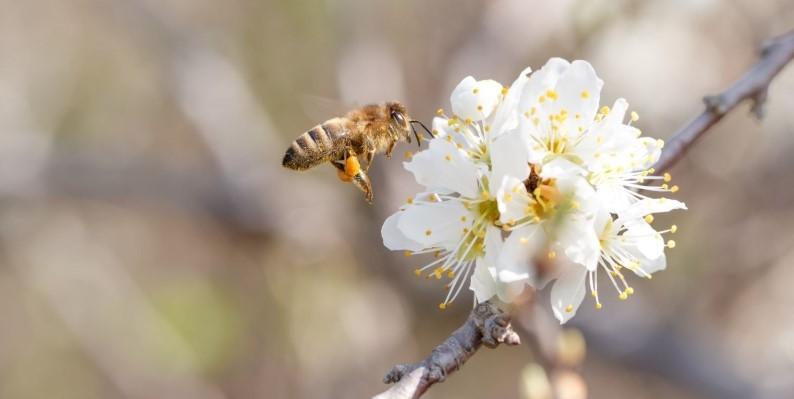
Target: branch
{"points": [[775, 54], [486, 324]]}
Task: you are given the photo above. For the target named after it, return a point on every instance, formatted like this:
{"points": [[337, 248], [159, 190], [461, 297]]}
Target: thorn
{"points": [[759, 103], [715, 104]]}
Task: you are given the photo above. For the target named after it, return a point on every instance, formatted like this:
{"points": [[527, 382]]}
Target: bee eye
{"points": [[397, 116]]}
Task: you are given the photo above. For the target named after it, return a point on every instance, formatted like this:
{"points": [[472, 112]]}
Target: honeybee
{"points": [[369, 130]]}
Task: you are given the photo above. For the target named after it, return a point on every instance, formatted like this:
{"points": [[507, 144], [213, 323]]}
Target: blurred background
{"points": [[152, 246]]}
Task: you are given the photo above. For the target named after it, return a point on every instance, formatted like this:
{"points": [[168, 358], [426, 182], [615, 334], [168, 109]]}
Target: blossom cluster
{"points": [[535, 183]]}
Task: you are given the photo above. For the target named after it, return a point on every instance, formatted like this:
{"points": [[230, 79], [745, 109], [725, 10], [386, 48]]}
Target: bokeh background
{"points": [[152, 246]]}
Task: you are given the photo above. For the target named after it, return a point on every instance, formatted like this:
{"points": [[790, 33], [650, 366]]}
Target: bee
{"points": [[366, 131]]}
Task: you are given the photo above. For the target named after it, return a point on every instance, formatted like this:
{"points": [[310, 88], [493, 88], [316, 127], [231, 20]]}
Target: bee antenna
{"points": [[423, 127], [418, 142]]}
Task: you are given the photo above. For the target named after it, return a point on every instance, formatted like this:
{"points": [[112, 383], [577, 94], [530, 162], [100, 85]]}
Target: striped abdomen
{"points": [[322, 143]]}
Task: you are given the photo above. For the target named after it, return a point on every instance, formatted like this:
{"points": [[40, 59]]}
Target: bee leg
{"points": [[361, 180], [390, 149], [370, 156]]}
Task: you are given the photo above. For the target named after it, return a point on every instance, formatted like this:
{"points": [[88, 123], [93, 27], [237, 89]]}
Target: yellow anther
{"points": [[577, 115], [541, 99], [507, 197], [664, 186], [673, 229], [649, 218], [660, 143], [569, 308], [485, 195], [434, 131], [442, 306], [599, 306], [448, 157], [410, 200], [428, 232], [585, 94], [651, 171], [604, 110], [408, 253], [451, 274], [630, 290], [532, 110], [468, 121], [479, 107], [623, 296], [667, 177], [463, 219], [634, 116], [536, 121], [674, 189], [487, 128], [476, 90], [504, 91], [409, 154], [671, 244], [440, 111], [552, 254], [551, 94], [437, 273], [418, 272]]}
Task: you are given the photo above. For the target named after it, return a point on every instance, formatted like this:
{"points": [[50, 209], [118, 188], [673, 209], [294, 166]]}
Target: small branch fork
{"points": [[486, 325], [754, 85], [489, 325]]}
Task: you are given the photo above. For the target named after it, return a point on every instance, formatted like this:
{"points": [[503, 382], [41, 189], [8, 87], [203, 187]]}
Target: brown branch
{"points": [[486, 324], [754, 85]]}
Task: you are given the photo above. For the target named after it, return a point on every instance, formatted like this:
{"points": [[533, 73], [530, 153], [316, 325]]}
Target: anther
{"points": [[442, 306], [569, 309], [671, 244], [649, 218], [668, 177], [585, 94], [409, 154], [428, 232], [674, 189], [408, 253], [623, 296], [440, 111], [673, 229], [634, 116]]}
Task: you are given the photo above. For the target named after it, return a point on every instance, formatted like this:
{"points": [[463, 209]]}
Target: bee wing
{"points": [[319, 108]]}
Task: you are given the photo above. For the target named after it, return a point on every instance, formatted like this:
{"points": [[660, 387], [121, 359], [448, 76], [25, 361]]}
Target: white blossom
{"points": [[534, 184]]}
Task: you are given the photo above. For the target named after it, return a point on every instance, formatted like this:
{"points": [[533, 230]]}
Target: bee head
{"points": [[402, 122], [399, 116]]}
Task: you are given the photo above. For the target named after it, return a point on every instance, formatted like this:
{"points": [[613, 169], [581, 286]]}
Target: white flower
{"points": [[535, 184], [458, 218]]}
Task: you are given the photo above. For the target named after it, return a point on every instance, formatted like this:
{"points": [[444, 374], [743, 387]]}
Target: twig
{"points": [[754, 85], [486, 324]]}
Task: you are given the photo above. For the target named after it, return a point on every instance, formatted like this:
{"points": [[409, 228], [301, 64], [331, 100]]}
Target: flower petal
{"points": [[475, 100], [506, 115], [509, 157], [647, 206], [513, 200], [579, 90], [393, 237], [643, 237], [568, 291], [515, 262], [444, 166], [437, 224]]}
